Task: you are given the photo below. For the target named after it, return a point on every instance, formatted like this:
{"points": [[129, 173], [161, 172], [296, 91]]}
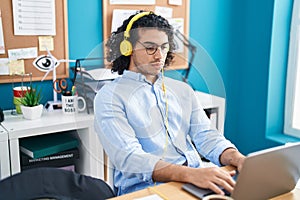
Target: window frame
{"points": [[292, 71]]}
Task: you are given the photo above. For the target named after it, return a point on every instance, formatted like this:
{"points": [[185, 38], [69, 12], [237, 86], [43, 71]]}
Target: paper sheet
{"points": [[178, 24], [102, 74], [4, 66], [16, 67], [46, 42], [132, 2], [23, 53], [2, 49], [34, 17], [119, 16], [175, 2], [165, 12], [150, 197]]}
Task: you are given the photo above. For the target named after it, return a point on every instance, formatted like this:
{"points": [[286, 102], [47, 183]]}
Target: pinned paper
{"points": [[178, 24], [46, 43], [34, 17], [132, 2], [119, 15], [164, 11], [16, 67], [24, 53], [2, 49], [175, 2], [4, 68]]}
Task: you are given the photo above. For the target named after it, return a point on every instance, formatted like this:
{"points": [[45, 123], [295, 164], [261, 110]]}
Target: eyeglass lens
{"points": [[151, 48]]}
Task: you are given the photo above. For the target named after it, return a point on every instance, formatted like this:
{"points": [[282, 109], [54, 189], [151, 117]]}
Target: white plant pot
{"points": [[32, 112]]}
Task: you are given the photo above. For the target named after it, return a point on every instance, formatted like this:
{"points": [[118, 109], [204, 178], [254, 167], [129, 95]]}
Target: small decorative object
{"points": [[30, 104], [48, 63]]}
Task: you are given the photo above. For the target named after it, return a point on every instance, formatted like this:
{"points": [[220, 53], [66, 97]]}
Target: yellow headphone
{"points": [[125, 45]]}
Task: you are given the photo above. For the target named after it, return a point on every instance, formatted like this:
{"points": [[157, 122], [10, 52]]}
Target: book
{"points": [[70, 167], [71, 154], [44, 145], [55, 164]]}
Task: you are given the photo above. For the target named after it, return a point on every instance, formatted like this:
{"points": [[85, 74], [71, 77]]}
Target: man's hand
{"points": [[232, 157], [211, 178]]}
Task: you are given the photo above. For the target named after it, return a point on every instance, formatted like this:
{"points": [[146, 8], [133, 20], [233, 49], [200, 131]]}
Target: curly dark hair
{"points": [[119, 62]]}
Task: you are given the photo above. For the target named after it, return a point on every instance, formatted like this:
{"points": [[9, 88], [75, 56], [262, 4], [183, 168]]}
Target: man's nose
{"points": [[159, 53]]}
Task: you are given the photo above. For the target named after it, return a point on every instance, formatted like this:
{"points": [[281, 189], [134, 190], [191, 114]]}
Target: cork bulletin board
{"points": [[12, 41], [178, 11]]}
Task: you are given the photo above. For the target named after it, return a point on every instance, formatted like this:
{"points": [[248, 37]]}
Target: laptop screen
{"points": [[265, 174]]}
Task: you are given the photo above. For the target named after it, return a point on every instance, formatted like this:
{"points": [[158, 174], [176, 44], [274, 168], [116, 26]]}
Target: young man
{"points": [[147, 122]]}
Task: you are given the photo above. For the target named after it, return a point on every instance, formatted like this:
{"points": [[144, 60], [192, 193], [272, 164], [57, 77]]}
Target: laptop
{"points": [[265, 174]]}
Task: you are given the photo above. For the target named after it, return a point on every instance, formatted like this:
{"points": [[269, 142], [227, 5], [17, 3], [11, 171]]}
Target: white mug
{"points": [[70, 104]]}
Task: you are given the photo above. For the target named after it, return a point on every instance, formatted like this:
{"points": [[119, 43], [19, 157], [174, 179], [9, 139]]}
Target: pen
{"points": [[73, 90]]}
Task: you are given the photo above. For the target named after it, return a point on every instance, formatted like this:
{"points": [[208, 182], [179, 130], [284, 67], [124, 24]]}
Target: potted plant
{"points": [[30, 103]]}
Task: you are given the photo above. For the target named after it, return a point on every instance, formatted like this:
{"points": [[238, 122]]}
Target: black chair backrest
{"points": [[53, 183]]}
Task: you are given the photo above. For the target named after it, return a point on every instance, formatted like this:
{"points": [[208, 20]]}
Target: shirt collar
{"points": [[140, 77]]}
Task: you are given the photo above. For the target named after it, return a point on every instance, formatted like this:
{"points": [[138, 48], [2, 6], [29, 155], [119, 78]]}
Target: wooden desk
{"points": [[173, 191]]}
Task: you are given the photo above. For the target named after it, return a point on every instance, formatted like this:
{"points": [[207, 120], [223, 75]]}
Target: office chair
{"points": [[53, 183]]}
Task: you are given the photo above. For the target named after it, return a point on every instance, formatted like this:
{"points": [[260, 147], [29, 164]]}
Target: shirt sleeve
{"points": [[209, 142], [118, 138]]}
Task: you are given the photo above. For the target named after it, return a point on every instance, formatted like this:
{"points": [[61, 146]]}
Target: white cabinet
{"points": [[4, 154], [209, 101], [91, 152]]}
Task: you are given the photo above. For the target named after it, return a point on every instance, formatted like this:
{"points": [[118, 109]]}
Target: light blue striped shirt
{"points": [[130, 115]]}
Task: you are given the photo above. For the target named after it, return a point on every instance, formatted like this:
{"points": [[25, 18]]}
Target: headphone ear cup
{"points": [[125, 48]]}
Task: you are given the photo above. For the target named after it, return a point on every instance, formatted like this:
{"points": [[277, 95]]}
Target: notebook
{"points": [[265, 174], [45, 145]]}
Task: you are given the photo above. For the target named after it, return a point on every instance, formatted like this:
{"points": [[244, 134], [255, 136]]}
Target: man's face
{"points": [[150, 52]]}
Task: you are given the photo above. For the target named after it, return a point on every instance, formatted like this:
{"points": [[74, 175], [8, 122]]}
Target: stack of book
{"points": [[58, 150]]}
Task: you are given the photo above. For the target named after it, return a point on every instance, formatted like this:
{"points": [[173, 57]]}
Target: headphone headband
{"points": [[125, 45], [135, 18]]}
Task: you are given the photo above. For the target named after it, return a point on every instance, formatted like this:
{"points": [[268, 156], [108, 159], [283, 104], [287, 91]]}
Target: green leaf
{"points": [[32, 97]]}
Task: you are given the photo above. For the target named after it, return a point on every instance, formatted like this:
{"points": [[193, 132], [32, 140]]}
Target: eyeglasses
{"points": [[151, 48]]}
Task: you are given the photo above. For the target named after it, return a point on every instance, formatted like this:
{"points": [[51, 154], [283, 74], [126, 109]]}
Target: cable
{"points": [[166, 122]]}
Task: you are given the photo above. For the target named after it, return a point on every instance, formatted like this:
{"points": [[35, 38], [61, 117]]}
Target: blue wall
{"points": [[237, 34]]}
